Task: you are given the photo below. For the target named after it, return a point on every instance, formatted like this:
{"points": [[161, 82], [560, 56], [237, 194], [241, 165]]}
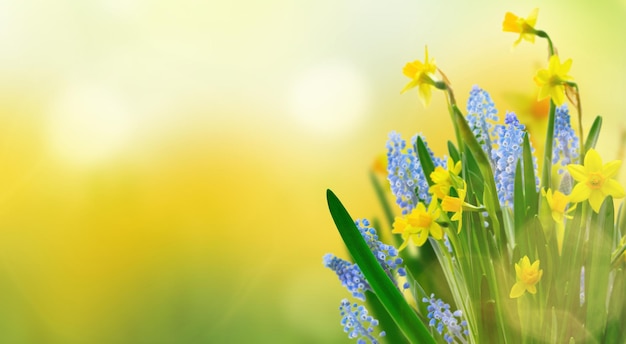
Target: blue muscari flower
{"points": [[566, 144], [357, 323], [405, 174], [481, 116], [387, 255], [442, 319], [349, 274], [509, 141]]}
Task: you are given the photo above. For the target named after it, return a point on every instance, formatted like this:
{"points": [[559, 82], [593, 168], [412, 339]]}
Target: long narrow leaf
{"points": [[600, 236], [594, 134], [427, 162], [391, 298], [530, 182]]}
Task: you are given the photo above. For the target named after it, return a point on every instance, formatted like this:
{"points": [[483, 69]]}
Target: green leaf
{"points": [[615, 324], [519, 209], [530, 182], [547, 156], [392, 332], [594, 134], [388, 294], [488, 310], [454, 153], [599, 266], [425, 160], [492, 204], [380, 194]]}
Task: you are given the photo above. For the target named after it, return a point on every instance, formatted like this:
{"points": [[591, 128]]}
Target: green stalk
{"points": [[445, 86], [380, 194], [547, 156]]}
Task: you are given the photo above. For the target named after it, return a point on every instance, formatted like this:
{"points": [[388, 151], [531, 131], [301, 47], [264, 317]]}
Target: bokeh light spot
{"points": [[88, 124], [329, 97]]}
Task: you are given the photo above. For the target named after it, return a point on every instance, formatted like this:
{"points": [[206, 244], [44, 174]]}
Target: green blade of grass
{"points": [[600, 236], [388, 294], [594, 134], [492, 204], [392, 332], [530, 182], [614, 326], [547, 156], [425, 160], [454, 153]]}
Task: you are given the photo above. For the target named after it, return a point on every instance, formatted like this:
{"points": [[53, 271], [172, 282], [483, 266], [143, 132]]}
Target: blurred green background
{"points": [[164, 163]]}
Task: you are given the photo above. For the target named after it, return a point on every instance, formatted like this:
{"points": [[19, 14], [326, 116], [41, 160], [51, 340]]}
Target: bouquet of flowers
{"points": [[487, 249]]}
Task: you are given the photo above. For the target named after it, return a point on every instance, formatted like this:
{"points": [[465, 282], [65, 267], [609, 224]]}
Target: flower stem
{"points": [[547, 157], [543, 34], [579, 109]]}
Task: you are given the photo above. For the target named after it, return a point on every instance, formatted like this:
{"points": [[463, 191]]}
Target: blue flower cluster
{"points": [[481, 116], [566, 144], [405, 173], [349, 274], [357, 323], [387, 255], [443, 319], [509, 141]]}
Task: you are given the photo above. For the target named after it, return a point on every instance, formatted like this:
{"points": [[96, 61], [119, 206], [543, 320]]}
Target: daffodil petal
{"points": [[580, 193], [517, 290], [593, 161], [412, 68], [535, 265], [404, 244], [510, 23], [425, 93], [542, 77], [532, 17], [409, 86], [530, 37], [420, 238], [558, 94], [613, 188], [554, 64], [577, 172], [595, 200], [436, 232], [518, 271], [531, 289], [610, 169], [565, 67]]}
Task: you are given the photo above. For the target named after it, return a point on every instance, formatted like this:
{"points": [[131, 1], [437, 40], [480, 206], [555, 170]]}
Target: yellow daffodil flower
{"points": [[525, 27], [557, 202], [527, 276], [417, 225], [455, 205], [421, 75], [552, 81], [595, 180], [442, 178]]}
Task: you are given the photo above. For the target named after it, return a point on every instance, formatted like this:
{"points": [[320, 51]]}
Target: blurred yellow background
{"points": [[164, 163]]}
